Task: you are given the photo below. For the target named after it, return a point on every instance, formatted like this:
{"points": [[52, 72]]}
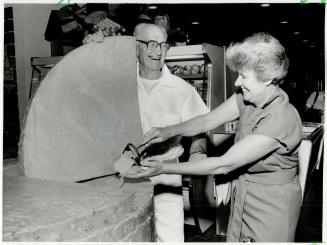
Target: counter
{"points": [[310, 151], [310, 130]]}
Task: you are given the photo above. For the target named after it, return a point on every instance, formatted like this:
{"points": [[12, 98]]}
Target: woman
{"points": [[266, 196]]}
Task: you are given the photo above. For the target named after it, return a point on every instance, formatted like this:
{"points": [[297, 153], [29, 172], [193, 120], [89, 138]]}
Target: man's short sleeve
{"points": [[193, 105]]}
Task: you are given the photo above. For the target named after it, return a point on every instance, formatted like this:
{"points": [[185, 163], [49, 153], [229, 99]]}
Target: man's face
{"points": [[151, 59]]}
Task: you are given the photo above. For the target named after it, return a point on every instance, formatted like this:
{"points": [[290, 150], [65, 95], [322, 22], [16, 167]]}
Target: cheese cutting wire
{"points": [[135, 150], [138, 156]]}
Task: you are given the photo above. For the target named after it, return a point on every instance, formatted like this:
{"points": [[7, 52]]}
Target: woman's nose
{"points": [[238, 81]]}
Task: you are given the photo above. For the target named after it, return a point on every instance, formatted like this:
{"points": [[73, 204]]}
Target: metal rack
{"points": [[40, 67]]}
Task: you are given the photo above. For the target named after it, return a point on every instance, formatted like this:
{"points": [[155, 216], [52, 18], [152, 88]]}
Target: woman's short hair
{"points": [[261, 53]]}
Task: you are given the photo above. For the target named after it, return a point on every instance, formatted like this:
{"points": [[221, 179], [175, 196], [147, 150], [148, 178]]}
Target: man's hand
{"points": [[156, 135], [94, 38]]}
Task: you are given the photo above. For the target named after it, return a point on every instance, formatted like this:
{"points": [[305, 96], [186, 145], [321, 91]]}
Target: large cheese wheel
{"points": [[84, 113]]}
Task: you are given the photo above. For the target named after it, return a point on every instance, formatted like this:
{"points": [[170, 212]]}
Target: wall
{"points": [[30, 21]]}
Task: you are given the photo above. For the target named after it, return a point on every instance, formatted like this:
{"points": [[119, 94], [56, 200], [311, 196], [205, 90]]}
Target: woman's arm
{"points": [[226, 112], [248, 150]]}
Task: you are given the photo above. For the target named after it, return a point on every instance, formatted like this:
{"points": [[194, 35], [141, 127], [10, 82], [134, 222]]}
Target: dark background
{"points": [[220, 24]]}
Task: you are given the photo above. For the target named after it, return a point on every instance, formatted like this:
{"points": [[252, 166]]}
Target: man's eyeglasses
{"points": [[152, 44]]}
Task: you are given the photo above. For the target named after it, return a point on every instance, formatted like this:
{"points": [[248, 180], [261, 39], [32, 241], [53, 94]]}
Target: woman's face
{"points": [[254, 91]]}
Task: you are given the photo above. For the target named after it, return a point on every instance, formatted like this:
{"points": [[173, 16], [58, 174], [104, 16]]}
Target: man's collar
{"points": [[166, 76]]}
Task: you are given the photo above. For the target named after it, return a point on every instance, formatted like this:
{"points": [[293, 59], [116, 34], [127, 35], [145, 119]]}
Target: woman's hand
{"points": [[156, 135], [96, 37], [149, 169]]}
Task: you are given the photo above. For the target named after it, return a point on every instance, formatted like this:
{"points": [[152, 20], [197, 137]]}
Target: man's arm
{"points": [[248, 150], [198, 148]]}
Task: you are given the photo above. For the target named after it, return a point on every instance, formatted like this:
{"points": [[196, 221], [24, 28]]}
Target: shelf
{"points": [[184, 53], [46, 62], [192, 76], [310, 130]]}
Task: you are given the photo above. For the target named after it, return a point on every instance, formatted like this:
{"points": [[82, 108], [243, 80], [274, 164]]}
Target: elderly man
{"points": [[164, 99]]}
